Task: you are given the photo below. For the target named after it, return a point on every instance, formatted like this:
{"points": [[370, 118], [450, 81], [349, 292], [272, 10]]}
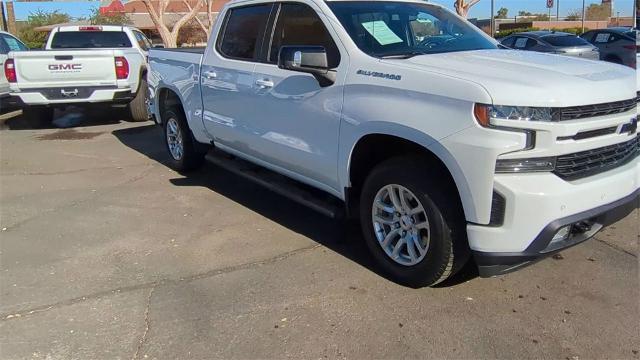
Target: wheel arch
{"points": [[366, 154], [167, 98]]}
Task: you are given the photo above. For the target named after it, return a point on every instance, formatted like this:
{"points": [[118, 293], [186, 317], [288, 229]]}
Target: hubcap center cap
{"points": [[405, 222]]}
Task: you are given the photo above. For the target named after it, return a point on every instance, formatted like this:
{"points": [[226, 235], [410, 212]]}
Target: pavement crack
{"points": [[616, 247], [155, 284], [143, 338]]}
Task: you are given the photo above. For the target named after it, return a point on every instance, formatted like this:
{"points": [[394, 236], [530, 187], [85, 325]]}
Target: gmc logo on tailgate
{"points": [[64, 67]]}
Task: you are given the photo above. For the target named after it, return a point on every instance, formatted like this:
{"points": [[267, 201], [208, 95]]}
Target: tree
{"points": [[170, 36], [36, 39], [503, 13], [574, 15], [110, 18], [205, 26], [462, 7], [598, 12]]}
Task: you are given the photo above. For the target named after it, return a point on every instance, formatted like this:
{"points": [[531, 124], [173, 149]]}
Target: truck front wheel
{"points": [[184, 155], [412, 225]]}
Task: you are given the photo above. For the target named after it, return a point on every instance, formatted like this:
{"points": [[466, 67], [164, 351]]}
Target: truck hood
{"points": [[524, 78]]}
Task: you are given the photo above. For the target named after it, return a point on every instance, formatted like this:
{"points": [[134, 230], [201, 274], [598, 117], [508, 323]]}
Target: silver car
{"points": [[618, 45], [552, 42]]}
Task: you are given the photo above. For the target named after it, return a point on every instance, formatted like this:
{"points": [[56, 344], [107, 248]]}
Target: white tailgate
{"points": [[60, 68]]}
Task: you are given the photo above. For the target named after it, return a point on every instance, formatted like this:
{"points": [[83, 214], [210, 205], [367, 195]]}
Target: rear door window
{"points": [[565, 40], [142, 40], [508, 41], [90, 39], [524, 43], [244, 31], [9, 43]]}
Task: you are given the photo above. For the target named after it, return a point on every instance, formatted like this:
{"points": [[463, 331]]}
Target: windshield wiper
{"points": [[402, 55]]}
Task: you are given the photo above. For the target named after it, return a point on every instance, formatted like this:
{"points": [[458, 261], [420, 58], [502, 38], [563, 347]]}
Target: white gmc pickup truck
{"points": [[443, 144], [82, 65]]}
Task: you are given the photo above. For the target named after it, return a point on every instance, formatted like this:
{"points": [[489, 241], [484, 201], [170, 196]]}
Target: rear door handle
{"points": [[210, 74], [264, 83]]}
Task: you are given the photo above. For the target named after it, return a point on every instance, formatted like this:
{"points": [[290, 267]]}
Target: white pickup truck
{"points": [[82, 65], [443, 144], [8, 43]]}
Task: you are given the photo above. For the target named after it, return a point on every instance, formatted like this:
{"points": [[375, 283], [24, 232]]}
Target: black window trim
{"points": [[258, 56], [276, 16]]}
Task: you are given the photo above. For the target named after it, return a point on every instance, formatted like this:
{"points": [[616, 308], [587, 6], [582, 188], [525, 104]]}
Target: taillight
{"points": [[122, 68], [632, 47], [10, 71]]}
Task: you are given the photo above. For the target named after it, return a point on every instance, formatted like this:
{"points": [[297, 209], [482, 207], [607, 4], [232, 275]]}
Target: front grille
{"points": [[588, 111], [586, 163]]}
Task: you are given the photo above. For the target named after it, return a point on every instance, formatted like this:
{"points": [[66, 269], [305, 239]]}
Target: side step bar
{"points": [[314, 199]]}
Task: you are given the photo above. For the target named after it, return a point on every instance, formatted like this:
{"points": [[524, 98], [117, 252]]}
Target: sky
{"points": [[481, 10]]}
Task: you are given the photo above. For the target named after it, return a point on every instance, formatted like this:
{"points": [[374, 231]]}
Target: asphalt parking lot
{"points": [[107, 253]]}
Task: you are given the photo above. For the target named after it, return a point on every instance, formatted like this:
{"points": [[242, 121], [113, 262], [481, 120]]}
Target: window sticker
{"points": [[12, 43], [602, 37], [521, 42], [381, 32], [424, 18]]}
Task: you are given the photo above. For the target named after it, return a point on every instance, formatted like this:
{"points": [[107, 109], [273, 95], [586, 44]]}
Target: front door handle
{"points": [[210, 74], [264, 83]]}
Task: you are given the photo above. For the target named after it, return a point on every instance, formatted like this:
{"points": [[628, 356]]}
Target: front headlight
{"points": [[484, 113]]}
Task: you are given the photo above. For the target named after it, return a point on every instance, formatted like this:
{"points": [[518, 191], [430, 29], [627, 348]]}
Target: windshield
{"points": [[565, 40], [385, 29], [90, 39]]}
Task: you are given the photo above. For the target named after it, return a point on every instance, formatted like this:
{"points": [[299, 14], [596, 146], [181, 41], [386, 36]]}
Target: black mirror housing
{"points": [[307, 59]]}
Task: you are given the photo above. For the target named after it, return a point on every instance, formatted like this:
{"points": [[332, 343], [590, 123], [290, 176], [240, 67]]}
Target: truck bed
{"points": [[194, 50], [176, 56]]}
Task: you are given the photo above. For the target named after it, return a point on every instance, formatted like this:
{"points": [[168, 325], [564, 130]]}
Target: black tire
{"points": [[448, 248], [192, 154], [37, 116], [137, 108]]}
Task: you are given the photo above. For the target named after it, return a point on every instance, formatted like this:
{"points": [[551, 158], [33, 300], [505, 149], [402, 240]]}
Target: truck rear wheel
{"points": [[412, 226], [138, 106], [184, 154], [37, 115]]}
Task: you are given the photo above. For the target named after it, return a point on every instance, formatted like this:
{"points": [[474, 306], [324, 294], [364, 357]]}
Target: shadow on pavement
{"points": [[341, 237], [70, 117]]}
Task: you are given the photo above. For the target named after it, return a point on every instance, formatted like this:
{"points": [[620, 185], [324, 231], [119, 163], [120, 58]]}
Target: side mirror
{"points": [[158, 46], [307, 59]]}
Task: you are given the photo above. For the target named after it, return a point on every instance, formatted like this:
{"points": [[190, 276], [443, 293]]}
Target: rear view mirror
{"points": [[307, 59]]}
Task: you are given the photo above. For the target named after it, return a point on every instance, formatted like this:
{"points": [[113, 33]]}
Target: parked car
{"points": [[82, 65], [8, 43], [552, 42], [441, 143], [618, 45]]}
